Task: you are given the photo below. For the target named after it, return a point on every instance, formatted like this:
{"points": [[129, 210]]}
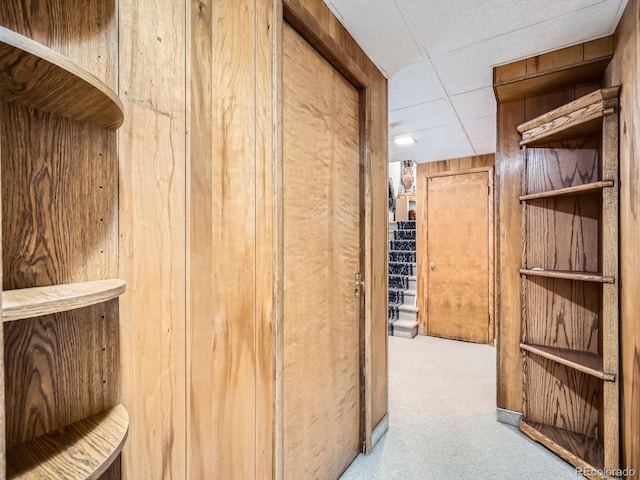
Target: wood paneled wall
{"points": [[624, 70], [530, 96], [152, 236], [201, 241], [424, 171]]}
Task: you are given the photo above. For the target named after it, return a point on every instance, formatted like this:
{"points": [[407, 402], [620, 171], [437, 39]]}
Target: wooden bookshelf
{"points": [[580, 450], [568, 275], [585, 189], [585, 362], [37, 301], [38, 77], [570, 280], [582, 117], [80, 451]]}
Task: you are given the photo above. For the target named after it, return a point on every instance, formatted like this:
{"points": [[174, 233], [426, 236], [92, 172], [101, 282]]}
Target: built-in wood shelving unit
{"points": [[80, 451], [37, 301], [38, 77], [581, 117], [575, 190], [580, 450], [586, 362], [60, 411], [570, 281], [568, 275]]}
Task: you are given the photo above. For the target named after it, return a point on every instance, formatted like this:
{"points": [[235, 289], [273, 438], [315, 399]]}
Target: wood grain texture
{"points": [[152, 151], [580, 450], [85, 32], [45, 241], [458, 286], [83, 450], [562, 397], [38, 301], [221, 316], [577, 190], [321, 402], [445, 168], [268, 231], [3, 449], [569, 275], [38, 77], [60, 369], [510, 162], [550, 71], [585, 362]]}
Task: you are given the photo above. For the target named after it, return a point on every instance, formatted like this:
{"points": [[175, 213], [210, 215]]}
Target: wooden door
{"points": [[458, 257], [321, 333]]}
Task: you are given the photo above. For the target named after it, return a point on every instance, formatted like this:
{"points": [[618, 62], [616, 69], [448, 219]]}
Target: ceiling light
{"points": [[404, 140]]}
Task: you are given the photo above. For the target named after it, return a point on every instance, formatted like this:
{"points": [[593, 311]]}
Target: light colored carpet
{"points": [[442, 421]]}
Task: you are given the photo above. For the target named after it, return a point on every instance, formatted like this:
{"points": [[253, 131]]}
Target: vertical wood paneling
{"points": [[221, 318], [623, 70], [152, 241], [268, 228], [424, 171]]}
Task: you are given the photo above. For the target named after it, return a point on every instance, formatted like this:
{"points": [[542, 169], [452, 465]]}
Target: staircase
{"points": [[403, 313]]}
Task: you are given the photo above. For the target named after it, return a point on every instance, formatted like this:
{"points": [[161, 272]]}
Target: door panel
{"points": [[458, 257], [321, 379]]}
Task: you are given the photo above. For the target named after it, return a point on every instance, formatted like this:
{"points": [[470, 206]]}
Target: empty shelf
{"points": [[568, 275], [83, 450], [577, 449], [579, 117], [577, 190], [585, 362], [37, 301], [37, 77]]}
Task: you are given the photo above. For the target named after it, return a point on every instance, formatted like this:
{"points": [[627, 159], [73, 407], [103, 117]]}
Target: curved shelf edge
{"points": [[579, 450], [585, 362], [37, 301], [570, 191], [81, 451], [38, 77], [568, 275]]}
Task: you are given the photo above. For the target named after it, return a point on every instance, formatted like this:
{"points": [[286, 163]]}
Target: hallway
{"points": [[443, 420]]}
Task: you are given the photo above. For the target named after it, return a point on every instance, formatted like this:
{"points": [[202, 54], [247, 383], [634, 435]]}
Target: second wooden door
{"points": [[321, 374], [458, 257]]}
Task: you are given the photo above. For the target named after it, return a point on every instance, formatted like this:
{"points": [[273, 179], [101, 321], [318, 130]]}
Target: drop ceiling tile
{"points": [[471, 68], [434, 144], [485, 145], [480, 127], [475, 104], [421, 117], [442, 27], [414, 84], [381, 32]]}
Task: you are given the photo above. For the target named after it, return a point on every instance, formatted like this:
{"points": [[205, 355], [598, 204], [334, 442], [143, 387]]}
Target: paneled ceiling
{"points": [[439, 55]]}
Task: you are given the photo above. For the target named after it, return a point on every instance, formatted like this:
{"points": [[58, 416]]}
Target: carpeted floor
{"points": [[442, 421]]}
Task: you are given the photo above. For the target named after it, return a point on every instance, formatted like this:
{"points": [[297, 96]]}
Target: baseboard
{"points": [[379, 431], [508, 416]]}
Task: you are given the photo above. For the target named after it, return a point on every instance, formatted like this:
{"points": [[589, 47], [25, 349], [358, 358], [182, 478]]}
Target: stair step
{"points": [[405, 328]]}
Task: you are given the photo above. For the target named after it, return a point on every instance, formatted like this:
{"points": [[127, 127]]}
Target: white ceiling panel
{"points": [[471, 68], [435, 144], [475, 104], [421, 117], [485, 145], [480, 127], [442, 27], [383, 37], [440, 54], [414, 84]]}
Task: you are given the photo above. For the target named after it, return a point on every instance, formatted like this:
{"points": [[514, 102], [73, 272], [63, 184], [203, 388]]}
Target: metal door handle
{"points": [[432, 265]]}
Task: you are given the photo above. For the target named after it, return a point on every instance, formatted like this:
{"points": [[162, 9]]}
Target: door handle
{"points": [[432, 265]]}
